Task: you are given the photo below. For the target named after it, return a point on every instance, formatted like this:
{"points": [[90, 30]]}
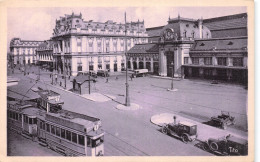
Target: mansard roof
{"points": [[19, 42], [144, 48], [220, 44]]}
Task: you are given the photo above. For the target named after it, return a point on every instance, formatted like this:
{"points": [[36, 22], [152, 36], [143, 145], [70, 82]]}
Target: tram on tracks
{"points": [[69, 133]]}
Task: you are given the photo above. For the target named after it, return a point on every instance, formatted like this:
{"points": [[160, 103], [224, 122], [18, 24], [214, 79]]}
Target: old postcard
{"points": [[127, 80]]}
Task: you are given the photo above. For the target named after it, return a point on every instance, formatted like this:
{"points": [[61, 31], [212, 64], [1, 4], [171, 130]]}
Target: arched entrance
{"points": [[135, 65], [170, 63], [148, 66], [141, 65]]}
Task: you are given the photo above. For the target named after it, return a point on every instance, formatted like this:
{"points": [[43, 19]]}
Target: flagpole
{"points": [[127, 98]]}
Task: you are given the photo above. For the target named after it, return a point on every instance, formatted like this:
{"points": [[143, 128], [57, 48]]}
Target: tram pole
{"points": [[127, 98]]}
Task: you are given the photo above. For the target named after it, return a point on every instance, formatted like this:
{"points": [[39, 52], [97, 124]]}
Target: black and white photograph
{"points": [[129, 81]]}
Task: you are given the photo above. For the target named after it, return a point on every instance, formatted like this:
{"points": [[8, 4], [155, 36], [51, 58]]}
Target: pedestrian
{"points": [[131, 77], [116, 78], [107, 80], [56, 79]]}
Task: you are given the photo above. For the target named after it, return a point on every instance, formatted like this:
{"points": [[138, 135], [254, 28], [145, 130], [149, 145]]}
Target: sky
{"points": [[38, 23]]}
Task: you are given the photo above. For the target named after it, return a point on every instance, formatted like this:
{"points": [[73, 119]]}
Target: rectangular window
{"points": [[68, 135], [222, 61], [90, 47], [16, 116], [81, 140], [62, 133], [20, 117], [186, 60], [79, 44], [195, 60], [74, 137], [88, 142], [43, 125], [26, 119], [237, 61], [40, 124], [47, 127], [208, 61], [52, 129], [57, 131]]}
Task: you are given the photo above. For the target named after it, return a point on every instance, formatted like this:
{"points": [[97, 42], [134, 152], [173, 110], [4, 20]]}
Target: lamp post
{"points": [[172, 64], [127, 98]]}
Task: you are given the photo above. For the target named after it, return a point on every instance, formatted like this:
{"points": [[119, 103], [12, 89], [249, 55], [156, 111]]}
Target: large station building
{"points": [[80, 45], [213, 48]]}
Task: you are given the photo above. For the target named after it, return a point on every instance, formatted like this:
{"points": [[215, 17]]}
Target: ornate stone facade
{"points": [[80, 45], [23, 51]]}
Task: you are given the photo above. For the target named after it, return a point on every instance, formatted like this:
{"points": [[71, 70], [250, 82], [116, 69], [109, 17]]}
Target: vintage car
{"points": [[91, 73], [185, 130], [102, 73], [222, 120], [227, 145]]}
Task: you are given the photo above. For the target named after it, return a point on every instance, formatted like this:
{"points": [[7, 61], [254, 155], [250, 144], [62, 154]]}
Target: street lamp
{"points": [[172, 64], [127, 98]]}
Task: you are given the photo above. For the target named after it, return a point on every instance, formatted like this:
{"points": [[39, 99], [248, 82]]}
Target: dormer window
{"points": [[192, 34], [77, 21], [230, 43], [202, 44], [185, 34]]}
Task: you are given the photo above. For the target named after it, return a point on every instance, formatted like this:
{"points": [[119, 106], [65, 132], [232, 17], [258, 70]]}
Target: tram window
{"points": [[26, 119], [88, 142], [40, 124], [20, 117], [68, 135], [48, 127], [81, 140], [52, 129], [62, 133], [34, 120], [74, 137], [30, 120], [98, 141], [16, 116], [43, 125], [57, 131]]}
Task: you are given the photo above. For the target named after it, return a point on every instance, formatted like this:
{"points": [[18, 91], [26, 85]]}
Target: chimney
{"points": [[200, 27], [174, 119]]}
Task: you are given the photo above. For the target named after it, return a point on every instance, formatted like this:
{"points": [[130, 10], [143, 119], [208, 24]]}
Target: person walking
{"points": [[107, 80]]}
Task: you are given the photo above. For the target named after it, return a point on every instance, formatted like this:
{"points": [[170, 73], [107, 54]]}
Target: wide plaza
{"points": [[130, 132]]}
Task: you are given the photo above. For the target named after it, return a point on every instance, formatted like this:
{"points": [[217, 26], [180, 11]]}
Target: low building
{"points": [[44, 55], [81, 84]]}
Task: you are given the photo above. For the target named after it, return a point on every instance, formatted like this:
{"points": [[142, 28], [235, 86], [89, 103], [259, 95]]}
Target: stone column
{"points": [[111, 59], [103, 64], [131, 63], [95, 64], [230, 61], [119, 58], [162, 64], [137, 62], [144, 61], [152, 70]]}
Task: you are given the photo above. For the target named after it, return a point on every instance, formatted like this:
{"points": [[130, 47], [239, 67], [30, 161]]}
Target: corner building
{"points": [[80, 45], [23, 51]]}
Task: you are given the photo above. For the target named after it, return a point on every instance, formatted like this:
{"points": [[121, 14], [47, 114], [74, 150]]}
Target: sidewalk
{"points": [[204, 131], [96, 97]]}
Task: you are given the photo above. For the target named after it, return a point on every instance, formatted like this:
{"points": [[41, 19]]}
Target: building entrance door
{"points": [[170, 63]]}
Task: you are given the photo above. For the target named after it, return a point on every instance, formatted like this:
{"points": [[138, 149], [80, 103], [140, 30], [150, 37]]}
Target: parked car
{"points": [[227, 145], [222, 120], [185, 130], [102, 73], [91, 73], [140, 72]]}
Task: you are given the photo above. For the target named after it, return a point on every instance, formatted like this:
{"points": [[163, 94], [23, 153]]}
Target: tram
{"points": [[69, 133]]}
